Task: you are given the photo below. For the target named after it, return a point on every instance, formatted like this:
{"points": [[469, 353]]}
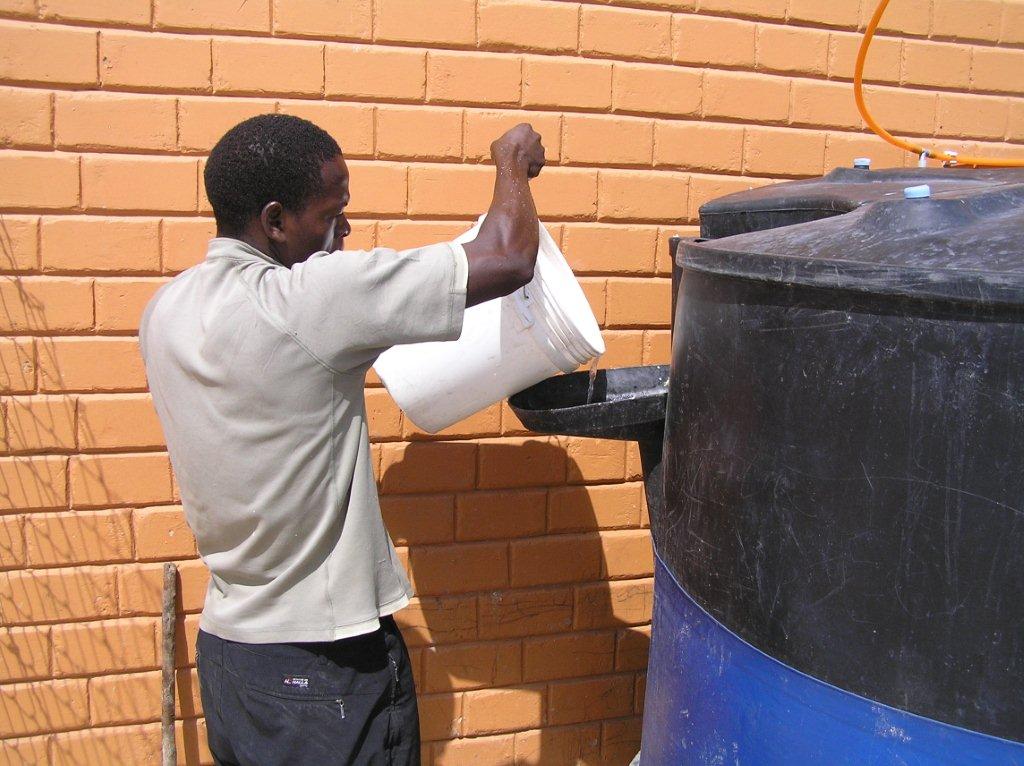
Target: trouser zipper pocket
{"points": [[341, 707]]}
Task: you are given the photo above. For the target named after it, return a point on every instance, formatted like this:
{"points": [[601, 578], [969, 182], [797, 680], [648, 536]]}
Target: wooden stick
{"points": [[170, 750]]}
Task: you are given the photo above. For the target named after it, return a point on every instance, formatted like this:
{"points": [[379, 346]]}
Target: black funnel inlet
{"points": [[627, 403]]}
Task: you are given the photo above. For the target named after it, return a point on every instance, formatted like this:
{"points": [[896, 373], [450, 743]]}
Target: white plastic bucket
{"points": [[507, 344]]}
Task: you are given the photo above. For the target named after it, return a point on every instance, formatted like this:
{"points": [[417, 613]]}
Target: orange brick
{"points": [[459, 568], [639, 695], [760, 98], [403, 235], [472, 666], [766, 9], [84, 364], [564, 82], [95, 647], [186, 632], [323, 19], [512, 614], [911, 17], [452, 22], [594, 460], [632, 646], [500, 515], [184, 242], [50, 595], [627, 553], [565, 193], [837, 13], [595, 291], [620, 740], [363, 237], [43, 706], [162, 533], [33, 482], [100, 244], [43, 53], [140, 590], [383, 416], [431, 620], [1015, 129], [706, 188], [822, 103], [634, 472], [154, 62], [625, 33], [698, 145], [972, 116], [25, 750], [381, 74], [139, 183], [449, 189], [202, 121], [491, 711], [119, 744], [520, 463], [634, 302], [711, 40], [563, 744], [212, 14], [45, 304], [39, 423], [418, 519], [778, 151], [19, 8], [114, 121], [486, 422], [119, 479], [641, 195], [419, 133], [483, 127], [120, 302], [657, 347], [902, 110], [26, 653], [20, 238], [588, 508], [191, 738], [494, 751], [555, 560], [440, 716], [456, 78], [115, 12], [260, 67], [995, 69], [938, 64], [123, 699], [60, 539], [190, 702], [599, 248], [1012, 27], [34, 180], [593, 139], [590, 699], [569, 656], [792, 49], [652, 89], [377, 187], [963, 19], [428, 467], [26, 118], [881, 65], [527, 25], [611, 604], [351, 125]]}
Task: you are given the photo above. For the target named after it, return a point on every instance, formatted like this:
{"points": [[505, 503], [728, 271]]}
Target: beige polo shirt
{"points": [[257, 375]]}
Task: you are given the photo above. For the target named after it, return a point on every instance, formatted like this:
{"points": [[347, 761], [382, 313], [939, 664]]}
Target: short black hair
{"points": [[270, 157]]}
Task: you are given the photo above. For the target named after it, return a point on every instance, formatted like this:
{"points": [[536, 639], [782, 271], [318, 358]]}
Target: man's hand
{"points": [[519, 147]]}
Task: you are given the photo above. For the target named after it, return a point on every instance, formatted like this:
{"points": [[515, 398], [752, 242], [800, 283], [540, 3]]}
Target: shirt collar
{"points": [[228, 247]]}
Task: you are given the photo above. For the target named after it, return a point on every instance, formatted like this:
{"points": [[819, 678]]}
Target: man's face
{"points": [[321, 224]]}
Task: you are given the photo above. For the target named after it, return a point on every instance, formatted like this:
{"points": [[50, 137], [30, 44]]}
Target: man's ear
{"points": [[271, 218]]}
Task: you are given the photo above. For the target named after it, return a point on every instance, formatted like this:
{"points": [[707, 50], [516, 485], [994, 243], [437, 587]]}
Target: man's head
{"points": [[279, 183]]}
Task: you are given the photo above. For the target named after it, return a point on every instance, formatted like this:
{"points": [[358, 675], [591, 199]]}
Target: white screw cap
{"points": [[917, 192], [864, 163]]}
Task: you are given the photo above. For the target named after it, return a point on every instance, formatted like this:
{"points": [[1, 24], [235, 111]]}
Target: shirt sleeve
{"points": [[347, 307]]}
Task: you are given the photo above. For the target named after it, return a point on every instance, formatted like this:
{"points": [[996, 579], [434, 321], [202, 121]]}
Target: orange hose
{"points": [[858, 94]]}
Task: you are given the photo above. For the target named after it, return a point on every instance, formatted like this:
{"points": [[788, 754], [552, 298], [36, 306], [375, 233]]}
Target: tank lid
{"points": [[963, 244]]}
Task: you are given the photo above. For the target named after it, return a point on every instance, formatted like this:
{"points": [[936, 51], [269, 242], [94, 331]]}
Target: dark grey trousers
{"points": [[343, 702]]}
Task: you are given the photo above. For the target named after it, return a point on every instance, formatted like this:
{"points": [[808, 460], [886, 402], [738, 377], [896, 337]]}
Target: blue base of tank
{"points": [[712, 698]]}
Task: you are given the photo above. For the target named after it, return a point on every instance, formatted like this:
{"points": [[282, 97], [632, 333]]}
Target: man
{"points": [[256, 359]]}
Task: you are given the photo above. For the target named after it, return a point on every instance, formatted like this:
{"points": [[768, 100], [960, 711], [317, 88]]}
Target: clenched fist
{"points": [[521, 148]]}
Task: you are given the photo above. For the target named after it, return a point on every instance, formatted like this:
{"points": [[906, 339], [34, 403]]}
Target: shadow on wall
{"points": [[525, 628], [79, 606]]}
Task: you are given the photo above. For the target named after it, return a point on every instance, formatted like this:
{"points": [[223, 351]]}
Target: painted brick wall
{"points": [[530, 555]]}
